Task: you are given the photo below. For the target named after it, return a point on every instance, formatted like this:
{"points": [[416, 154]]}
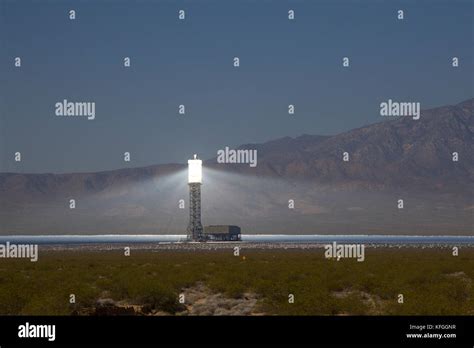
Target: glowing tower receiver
{"points": [[195, 171], [194, 182]]}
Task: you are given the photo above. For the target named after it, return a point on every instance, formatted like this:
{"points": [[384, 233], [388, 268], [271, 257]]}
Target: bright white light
{"points": [[195, 170]]}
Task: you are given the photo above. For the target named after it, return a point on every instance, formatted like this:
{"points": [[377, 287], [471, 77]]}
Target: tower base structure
{"points": [[195, 230]]}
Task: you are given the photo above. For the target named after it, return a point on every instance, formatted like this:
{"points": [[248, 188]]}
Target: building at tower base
{"points": [[222, 233]]}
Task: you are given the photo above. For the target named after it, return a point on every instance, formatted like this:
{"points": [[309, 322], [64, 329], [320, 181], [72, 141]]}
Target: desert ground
{"points": [[194, 279]]}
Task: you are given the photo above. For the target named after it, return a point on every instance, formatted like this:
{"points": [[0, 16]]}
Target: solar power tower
{"points": [[195, 231]]}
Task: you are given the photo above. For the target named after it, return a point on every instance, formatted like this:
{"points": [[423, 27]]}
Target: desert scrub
{"points": [[432, 281]]}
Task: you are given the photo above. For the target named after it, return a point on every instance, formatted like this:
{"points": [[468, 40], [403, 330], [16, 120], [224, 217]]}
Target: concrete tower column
{"points": [[194, 231]]}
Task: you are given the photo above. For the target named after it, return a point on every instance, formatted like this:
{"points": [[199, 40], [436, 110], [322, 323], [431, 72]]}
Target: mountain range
{"points": [[398, 158]]}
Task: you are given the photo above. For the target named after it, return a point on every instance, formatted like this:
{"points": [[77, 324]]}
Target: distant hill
{"points": [[390, 159], [398, 153]]}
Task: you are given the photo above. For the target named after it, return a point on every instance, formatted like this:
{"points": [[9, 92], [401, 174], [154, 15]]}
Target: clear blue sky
{"points": [[190, 62]]}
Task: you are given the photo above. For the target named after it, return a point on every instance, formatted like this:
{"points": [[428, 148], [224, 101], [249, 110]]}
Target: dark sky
{"points": [[190, 62]]}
